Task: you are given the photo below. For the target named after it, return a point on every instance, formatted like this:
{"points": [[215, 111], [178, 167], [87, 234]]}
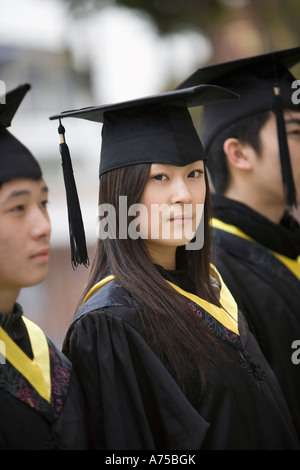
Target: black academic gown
{"points": [[29, 421], [133, 402], [266, 290]]}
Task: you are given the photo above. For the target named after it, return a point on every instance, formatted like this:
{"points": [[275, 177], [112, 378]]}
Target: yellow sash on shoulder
{"points": [[228, 315], [36, 370], [292, 264]]}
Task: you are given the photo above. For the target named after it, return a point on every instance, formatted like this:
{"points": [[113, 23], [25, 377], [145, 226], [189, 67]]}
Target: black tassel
{"points": [[76, 229], [286, 169]]}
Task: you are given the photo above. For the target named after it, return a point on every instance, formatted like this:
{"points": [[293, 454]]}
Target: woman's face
{"points": [[172, 206]]}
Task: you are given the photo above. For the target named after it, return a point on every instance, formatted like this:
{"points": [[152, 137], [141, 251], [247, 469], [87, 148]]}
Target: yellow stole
{"points": [[36, 370], [227, 315], [292, 264]]}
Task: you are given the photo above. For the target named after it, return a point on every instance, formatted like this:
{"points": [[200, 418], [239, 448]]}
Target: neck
{"points": [[269, 209], [165, 257], [7, 302]]}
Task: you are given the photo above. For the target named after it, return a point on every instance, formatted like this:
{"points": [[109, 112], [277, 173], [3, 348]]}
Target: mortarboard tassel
{"points": [[286, 169], [76, 229]]}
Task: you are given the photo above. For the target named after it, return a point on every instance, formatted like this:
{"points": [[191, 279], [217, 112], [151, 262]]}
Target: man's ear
{"points": [[237, 154]]}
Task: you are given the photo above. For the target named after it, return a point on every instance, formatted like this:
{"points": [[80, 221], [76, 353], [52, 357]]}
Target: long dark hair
{"points": [[168, 323]]}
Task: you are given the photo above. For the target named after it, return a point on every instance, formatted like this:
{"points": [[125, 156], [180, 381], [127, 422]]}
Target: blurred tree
{"points": [[235, 28], [172, 15], [168, 14]]}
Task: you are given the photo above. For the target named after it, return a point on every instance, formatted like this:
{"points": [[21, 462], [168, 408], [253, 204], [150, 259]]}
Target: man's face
{"points": [[24, 233], [268, 165]]}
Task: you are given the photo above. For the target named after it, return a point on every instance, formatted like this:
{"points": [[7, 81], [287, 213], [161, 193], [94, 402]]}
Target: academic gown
{"points": [[266, 289], [134, 402], [40, 402]]}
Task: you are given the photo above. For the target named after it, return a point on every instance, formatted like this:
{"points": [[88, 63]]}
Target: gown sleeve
{"points": [[132, 401]]}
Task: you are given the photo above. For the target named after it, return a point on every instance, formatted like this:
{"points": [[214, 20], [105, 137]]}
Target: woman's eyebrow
{"points": [[292, 121]]}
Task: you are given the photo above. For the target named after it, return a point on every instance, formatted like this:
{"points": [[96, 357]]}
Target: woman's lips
{"points": [[180, 220]]}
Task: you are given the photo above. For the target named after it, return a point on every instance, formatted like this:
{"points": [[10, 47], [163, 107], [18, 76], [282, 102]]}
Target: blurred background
{"points": [[78, 53]]}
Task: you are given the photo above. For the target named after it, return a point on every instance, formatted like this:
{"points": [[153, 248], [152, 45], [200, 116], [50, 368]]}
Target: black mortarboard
{"points": [[264, 83], [157, 128], [16, 161]]}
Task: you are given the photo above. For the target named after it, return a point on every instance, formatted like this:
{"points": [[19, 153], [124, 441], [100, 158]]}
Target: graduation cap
{"points": [[16, 161], [153, 129], [264, 83]]}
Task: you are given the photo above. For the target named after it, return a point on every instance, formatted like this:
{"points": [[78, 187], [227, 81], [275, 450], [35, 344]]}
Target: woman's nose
{"points": [[180, 193]]}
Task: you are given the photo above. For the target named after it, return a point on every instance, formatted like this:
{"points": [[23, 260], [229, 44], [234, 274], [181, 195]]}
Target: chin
{"points": [[36, 278], [176, 243]]}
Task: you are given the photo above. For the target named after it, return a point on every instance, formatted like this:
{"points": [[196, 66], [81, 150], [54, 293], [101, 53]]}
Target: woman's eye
{"points": [[195, 173], [160, 177], [294, 132]]}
